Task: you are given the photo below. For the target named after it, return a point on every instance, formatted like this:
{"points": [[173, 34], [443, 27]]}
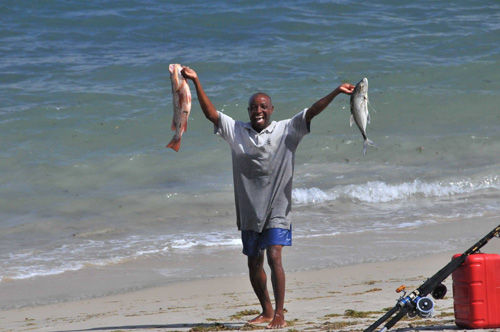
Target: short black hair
{"points": [[262, 94]]}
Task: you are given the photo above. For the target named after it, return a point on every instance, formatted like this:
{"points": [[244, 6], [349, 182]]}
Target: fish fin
{"points": [[174, 128], [175, 144], [368, 118], [366, 143], [352, 120]]}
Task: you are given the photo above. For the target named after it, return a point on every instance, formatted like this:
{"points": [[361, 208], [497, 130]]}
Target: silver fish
{"points": [[359, 111], [181, 96]]}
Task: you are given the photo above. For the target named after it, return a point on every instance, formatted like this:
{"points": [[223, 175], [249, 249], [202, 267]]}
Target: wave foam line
{"points": [[90, 253], [381, 192]]}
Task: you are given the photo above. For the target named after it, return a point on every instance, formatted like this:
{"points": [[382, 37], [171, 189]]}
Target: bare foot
{"points": [[260, 319], [277, 323]]}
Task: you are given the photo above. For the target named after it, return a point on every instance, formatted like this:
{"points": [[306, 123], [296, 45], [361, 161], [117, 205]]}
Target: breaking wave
{"points": [[381, 192]]}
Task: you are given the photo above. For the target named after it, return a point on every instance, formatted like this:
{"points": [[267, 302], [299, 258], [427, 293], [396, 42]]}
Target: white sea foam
{"points": [[87, 253], [312, 195], [381, 192]]}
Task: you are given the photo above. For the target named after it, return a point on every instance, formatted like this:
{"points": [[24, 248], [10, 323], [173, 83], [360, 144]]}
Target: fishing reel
{"points": [[423, 307], [420, 306], [439, 292]]}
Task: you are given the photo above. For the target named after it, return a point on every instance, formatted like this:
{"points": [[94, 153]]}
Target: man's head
{"points": [[260, 108]]}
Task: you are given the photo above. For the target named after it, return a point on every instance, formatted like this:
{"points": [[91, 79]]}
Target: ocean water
{"points": [[88, 191]]}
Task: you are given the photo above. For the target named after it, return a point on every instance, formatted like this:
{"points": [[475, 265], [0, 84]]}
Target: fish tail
{"points": [[175, 143], [368, 142]]}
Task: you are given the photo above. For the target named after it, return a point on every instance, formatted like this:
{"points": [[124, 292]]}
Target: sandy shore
{"points": [[316, 301]]}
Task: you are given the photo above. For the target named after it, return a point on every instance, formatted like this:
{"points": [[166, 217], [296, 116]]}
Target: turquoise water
{"points": [[88, 186]]}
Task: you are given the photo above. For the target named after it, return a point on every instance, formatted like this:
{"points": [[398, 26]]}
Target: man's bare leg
{"points": [[278, 281], [258, 279]]}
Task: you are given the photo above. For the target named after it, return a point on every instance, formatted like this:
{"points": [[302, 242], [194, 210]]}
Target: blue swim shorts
{"points": [[254, 243]]}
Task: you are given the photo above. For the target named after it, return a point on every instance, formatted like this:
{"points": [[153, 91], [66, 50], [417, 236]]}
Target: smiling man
{"points": [[263, 155], [260, 108]]}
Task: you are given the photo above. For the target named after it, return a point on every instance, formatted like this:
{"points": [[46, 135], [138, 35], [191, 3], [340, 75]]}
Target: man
{"points": [[263, 154]]}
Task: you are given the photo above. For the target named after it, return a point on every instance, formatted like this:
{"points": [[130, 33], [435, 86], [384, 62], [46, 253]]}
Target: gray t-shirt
{"points": [[263, 165]]}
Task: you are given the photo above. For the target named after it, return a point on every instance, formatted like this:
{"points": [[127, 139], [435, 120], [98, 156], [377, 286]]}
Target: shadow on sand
{"points": [[212, 327], [429, 328]]}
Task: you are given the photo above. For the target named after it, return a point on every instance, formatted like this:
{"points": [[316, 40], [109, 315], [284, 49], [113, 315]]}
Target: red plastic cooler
{"points": [[476, 292]]}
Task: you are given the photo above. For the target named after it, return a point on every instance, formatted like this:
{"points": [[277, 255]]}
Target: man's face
{"points": [[260, 109]]}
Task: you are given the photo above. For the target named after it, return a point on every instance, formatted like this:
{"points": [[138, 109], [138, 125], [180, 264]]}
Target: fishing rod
{"points": [[417, 302]]}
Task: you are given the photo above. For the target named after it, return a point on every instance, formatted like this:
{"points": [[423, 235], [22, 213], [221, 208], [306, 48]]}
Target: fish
{"points": [[359, 111], [181, 96]]}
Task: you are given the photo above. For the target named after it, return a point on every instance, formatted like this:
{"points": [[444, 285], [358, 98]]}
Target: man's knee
{"points": [[274, 256], [256, 263]]}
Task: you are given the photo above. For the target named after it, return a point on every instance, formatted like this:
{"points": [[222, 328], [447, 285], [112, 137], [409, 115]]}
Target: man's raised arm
{"points": [[321, 104], [206, 105]]}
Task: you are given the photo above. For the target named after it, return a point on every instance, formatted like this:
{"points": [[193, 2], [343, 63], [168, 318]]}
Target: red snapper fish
{"points": [[181, 96]]}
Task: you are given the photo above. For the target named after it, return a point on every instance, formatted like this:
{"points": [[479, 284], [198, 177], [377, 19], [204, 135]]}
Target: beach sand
{"points": [[324, 300]]}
